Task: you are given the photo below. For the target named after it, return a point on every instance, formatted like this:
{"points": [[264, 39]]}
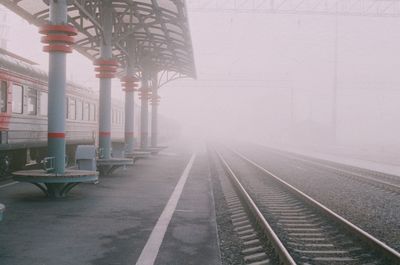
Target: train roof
{"points": [[20, 65]]}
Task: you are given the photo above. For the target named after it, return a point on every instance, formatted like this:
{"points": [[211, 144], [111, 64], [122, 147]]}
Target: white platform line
{"points": [[150, 250], [8, 184]]}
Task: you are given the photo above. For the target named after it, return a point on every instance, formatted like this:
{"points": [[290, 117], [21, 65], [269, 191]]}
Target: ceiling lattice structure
{"points": [[159, 28], [365, 8]]}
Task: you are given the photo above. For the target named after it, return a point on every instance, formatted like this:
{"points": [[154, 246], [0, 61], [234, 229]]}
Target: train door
{"points": [[5, 110]]}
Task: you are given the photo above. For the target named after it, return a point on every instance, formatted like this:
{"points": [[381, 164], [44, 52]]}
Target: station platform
{"points": [[385, 162], [159, 212]]}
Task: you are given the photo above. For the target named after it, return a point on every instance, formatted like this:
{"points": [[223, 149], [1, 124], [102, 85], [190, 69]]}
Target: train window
{"points": [[95, 112], [66, 108], [85, 111], [3, 96], [32, 101], [17, 99], [71, 109], [44, 97], [92, 112], [79, 109]]}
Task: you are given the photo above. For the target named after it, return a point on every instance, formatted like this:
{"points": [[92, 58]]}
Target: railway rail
{"points": [[377, 179], [300, 229]]}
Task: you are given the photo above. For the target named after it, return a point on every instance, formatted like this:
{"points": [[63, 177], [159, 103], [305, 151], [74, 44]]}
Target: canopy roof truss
{"points": [[159, 28]]}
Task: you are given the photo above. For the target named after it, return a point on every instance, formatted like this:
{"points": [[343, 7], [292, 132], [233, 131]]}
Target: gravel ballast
{"points": [[372, 209]]}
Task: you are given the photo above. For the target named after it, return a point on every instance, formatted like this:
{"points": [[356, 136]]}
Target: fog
{"points": [[270, 79]]}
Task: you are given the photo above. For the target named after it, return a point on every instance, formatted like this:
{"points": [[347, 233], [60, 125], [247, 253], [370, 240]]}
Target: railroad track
{"points": [[377, 179], [300, 229]]}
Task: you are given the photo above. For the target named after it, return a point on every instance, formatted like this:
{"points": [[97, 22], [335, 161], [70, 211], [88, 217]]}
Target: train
{"points": [[23, 115]]}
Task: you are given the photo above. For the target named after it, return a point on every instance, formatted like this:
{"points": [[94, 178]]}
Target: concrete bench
{"points": [[108, 166], [2, 209], [152, 150], [56, 185], [138, 155]]}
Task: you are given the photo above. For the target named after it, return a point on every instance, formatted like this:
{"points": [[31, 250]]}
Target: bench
{"points": [[56, 185], [138, 155], [152, 150], [108, 166]]}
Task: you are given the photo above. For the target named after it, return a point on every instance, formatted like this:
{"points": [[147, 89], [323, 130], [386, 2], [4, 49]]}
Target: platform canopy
{"points": [[159, 28]]}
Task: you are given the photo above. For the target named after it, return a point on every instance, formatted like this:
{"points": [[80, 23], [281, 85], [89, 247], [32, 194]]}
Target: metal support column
{"points": [[107, 67], [130, 83], [155, 100], [144, 111], [58, 38]]}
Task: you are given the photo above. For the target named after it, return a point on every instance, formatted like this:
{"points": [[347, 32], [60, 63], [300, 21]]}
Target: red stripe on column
{"points": [[56, 135], [104, 134], [57, 48], [129, 134]]}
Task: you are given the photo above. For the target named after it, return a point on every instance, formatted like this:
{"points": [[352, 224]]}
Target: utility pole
{"points": [[335, 80], [292, 110]]}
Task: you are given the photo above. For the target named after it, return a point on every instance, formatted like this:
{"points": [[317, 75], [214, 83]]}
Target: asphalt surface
{"points": [[110, 223]]}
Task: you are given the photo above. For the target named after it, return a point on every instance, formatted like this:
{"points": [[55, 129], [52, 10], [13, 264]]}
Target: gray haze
{"points": [[270, 78]]}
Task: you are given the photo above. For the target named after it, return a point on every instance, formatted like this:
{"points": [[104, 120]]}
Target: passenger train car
{"points": [[23, 114]]}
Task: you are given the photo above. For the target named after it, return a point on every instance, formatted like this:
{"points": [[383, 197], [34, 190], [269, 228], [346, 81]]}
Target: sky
{"points": [[270, 77]]}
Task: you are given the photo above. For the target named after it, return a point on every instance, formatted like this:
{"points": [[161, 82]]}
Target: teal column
{"points": [[144, 111], [155, 100], [58, 37], [130, 83], [106, 68]]}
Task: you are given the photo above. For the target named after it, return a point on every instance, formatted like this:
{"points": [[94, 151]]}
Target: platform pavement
{"points": [[110, 223], [191, 236]]}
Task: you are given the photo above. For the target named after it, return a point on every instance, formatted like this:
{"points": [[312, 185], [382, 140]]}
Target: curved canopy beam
{"points": [[160, 28]]}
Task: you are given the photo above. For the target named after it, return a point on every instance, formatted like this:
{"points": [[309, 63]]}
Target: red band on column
{"points": [[106, 68], [56, 135], [130, 83], [58, 37], [129, 134], [57, 48], [129, 79], [144, 94], [155, 100], [112, 62], [104, 134], [105, 75], [66, 29]]}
